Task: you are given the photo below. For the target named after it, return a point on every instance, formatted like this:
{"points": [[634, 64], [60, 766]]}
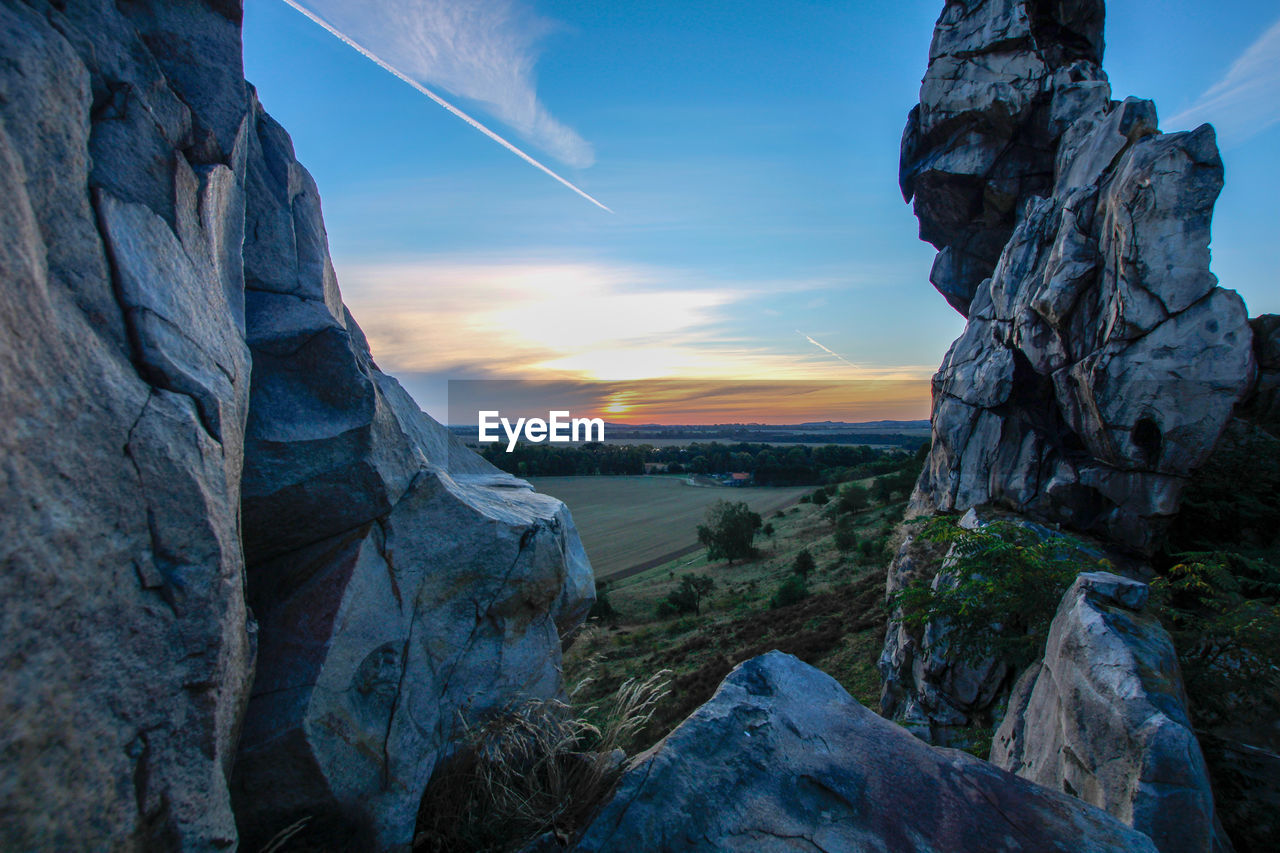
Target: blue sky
{"points": [[748, 150]]}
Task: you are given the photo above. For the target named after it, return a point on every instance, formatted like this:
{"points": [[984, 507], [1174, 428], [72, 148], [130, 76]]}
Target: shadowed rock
{"points": [[403, 585], [782, 758]]}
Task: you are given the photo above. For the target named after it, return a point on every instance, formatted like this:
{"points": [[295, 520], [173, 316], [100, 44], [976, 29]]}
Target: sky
{"points": [[746, 153]]}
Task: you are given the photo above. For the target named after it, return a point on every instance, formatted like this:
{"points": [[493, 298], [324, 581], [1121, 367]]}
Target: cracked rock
{"points": [[781, 758]]}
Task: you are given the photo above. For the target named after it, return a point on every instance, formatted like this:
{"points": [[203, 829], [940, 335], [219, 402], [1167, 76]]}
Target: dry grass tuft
{"points": [[534, 768]]}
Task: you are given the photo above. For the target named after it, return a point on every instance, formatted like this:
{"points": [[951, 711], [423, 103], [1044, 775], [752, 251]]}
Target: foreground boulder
{"points": [[1103, 717], [782, 758], [1100, 362], [404, 587]]}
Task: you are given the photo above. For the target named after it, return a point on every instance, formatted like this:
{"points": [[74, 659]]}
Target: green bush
{"points": [[853, 498], [846, 536], [688, 597], [793, 589], [803, 563], [819, 498], [1000, 592], [1223, 612]]}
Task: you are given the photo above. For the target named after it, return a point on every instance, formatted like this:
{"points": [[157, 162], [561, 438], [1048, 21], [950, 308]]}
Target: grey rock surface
{"points": [[174, 397], [1100, 361], [403, 585], [124, 382], [1004, 78], [1104, 717], [782, 758]]}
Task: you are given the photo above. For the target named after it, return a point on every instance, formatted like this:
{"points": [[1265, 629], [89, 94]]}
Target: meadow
{"points": [[630, 522]]}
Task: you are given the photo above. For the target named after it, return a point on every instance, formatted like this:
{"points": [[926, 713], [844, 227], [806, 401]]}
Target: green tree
{"points": [[730, 530], [688, 597], [803, 563], [820, 497], [846, 536], [853, 498]]}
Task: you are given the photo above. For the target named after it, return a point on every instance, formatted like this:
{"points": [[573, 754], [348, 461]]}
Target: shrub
{"points": [[998, 594], [686, 598], [534, 767], [767, 530], [819, 498], [729, 531], [846, 537], [803, 563], [793, 589], [1223, 612]]}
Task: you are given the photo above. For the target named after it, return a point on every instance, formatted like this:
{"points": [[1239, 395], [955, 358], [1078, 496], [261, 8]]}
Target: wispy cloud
{"points": [[484, 51], [1245, 101], [581, 319]]}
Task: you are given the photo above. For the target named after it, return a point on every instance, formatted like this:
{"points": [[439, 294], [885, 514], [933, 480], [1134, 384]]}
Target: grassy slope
{"points": [[839, 627]]}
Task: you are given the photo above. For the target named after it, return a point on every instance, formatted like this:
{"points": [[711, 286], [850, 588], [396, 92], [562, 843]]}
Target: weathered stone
{"points": [[123, 387], [1103, 717], [1100, 362], [982, 138], [782, 758], [404, 586]]}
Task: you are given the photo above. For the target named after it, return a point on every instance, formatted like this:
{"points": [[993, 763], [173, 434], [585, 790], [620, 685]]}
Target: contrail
{"points": [[827, 350], [368, 54]]}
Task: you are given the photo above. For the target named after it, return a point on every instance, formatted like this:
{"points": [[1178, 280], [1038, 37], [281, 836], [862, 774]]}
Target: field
{"points": [[838, 626], [627, 523]]}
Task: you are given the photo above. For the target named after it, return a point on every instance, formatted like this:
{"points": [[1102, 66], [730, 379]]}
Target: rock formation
{"points": [[403, 586], [124, 387], [1103, 717], [162, 376], [782, 758], [1100, 361]]}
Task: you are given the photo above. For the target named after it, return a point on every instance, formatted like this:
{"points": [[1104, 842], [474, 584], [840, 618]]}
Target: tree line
{"points": [[769, 465]]}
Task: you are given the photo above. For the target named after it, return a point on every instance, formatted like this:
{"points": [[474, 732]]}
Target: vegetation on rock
{"points": [[997, 592]]}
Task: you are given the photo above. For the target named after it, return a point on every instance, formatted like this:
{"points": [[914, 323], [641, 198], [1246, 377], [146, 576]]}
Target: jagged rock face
{"points": [[782, 758], [1100, 362], [124, 382], [1103, 717], [403, 585], [1003, 77]]}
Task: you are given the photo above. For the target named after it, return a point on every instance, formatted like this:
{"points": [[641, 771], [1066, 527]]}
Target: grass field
{"points": [[629, 522], [839, 626]]}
